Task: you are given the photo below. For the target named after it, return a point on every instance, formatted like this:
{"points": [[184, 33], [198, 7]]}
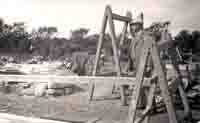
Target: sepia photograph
{"points": [[99, 61]]}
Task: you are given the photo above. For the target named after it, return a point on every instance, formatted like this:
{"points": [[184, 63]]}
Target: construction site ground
{"points": [[73, 108]]}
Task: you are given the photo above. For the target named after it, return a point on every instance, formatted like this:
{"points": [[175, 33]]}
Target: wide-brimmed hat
{"points": [[137, 20]]}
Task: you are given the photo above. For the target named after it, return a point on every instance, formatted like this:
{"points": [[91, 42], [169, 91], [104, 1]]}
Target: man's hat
{"points": [[138, 19], [167, 23]]}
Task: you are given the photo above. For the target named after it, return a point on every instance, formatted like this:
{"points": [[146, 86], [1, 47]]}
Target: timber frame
{"points": [[151, 49], [109, 16]]}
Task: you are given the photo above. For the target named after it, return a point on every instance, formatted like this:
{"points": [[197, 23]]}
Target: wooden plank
{"points": [[99, 47], [145, 114], [11, 118], [70, 79], [163, 83], [114, 39], [115, 51], [121, 18], [100, 42], [138, 88], [124, 31]]}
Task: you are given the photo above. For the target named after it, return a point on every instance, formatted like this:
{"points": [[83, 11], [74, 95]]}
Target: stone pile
{"points": [[58, 89], [48, 89], [37, 89]]}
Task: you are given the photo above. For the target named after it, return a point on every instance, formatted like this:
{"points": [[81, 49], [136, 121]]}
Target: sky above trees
{"points": [[67, 15]]}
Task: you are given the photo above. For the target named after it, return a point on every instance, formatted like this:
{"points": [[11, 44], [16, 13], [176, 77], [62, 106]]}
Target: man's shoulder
{"points": [[146, 34]]}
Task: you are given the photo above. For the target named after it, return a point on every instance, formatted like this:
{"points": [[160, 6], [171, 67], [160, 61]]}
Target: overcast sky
{"points": [[72, 14]]}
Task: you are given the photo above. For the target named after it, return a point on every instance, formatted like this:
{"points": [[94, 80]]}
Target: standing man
{"points": [[136, 46], [136, 33]]}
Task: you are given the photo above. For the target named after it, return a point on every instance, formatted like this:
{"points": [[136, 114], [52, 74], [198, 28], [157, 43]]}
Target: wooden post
{"points": [[121, 42], [115, 51], [114, 45], [136, 93], [163, 84], [100, 42], [124, 31], [99, 46]]}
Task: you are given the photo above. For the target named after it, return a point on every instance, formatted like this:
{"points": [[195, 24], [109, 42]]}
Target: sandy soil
{"points": [[69, 108], [74, 108]]}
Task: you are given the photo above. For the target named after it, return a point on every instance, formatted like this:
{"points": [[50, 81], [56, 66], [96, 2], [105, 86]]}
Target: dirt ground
{"points": [[74, 108]]}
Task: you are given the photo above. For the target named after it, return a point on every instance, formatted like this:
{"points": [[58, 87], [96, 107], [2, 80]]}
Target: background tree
{"points": [[13, 36], [47, 32], [196, 41], [78, 34], [184, 39], [79, 39]]}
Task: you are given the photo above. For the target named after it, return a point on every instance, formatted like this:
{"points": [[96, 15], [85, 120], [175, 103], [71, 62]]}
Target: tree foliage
{"points": [[14, 37], [188, 41], [44, 32], [79, 34]]}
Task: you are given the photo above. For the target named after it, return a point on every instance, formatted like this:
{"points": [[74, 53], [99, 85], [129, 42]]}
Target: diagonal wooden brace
{"points": [[148, 108]]}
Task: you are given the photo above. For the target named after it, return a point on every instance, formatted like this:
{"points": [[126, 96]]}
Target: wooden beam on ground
{"points": [[11, 118], [71, 79]]}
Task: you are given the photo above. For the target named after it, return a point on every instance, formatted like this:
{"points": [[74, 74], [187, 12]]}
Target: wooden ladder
{"points": [[150, 50]]}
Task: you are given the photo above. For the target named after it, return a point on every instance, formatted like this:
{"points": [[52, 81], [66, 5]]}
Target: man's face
{"points": [[135, 27]]}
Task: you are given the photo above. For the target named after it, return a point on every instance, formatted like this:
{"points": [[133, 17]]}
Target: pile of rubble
{"points": [[37, 89], [47, 89]]}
